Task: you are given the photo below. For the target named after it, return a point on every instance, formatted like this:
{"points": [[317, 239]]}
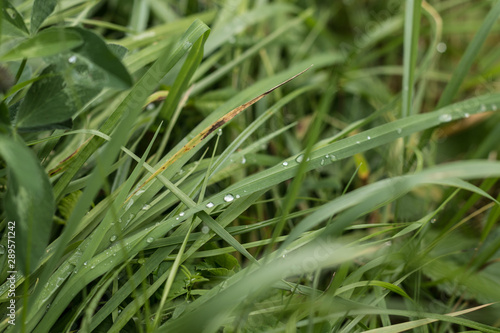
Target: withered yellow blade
{"points": [[207, 131]]}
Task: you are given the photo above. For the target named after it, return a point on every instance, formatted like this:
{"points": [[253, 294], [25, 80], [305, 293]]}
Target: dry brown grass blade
{"points": [[210, 129]]}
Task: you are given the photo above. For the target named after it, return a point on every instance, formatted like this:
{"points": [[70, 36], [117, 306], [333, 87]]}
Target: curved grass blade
{"points": [[29, 205], [420, 322]]}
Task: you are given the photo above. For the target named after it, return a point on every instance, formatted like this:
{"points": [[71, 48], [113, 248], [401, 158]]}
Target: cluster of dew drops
{"points": [[227, 198], [446, 117], [230, 197]]}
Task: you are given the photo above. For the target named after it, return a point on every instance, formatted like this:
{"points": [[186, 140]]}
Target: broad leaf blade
{"points": [[29, 203], [95, 49], [12, 21], [50, 103], [41, 10]]}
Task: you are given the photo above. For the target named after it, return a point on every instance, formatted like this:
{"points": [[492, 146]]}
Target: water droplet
{"points": [[237, 196], [219, 132], [92, 267], [441, 47], [444, 118], [368, 137], [327, 156], [85, 264], [399, 130], [494, 107], [187, 45], [388, 243], [182, 213], [285, 163], [299, 158], [333, 157], [112, 238], [150, 240], [228, 197], [205, 229], [433, 221], [11, 12], [466, 115], [210, 205], [119, 220], [322, 162], [243, 160], [150, 106], [72, 59], [177, 218], [2, 249], [140, 192], [357, 142], [181, 172], [482, 108], [146, 207], [129, 204]]}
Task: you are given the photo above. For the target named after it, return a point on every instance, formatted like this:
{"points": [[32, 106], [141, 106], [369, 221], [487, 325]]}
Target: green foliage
{"points": [[29, 202], [362, 195], [46, 43]]}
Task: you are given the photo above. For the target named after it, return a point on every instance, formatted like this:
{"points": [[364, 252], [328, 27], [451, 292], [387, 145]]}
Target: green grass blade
{"points": [[468, 58], [411, 36]]}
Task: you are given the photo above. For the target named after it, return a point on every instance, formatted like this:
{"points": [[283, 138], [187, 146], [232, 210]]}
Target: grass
{"points": [[162, 178]]}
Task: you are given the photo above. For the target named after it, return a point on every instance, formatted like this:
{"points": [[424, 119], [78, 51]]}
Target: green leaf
{"points": [[95, 49], [50, 103], [118, 50], [12, 21], [40, 11], [29, 203], [48, 42]]}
